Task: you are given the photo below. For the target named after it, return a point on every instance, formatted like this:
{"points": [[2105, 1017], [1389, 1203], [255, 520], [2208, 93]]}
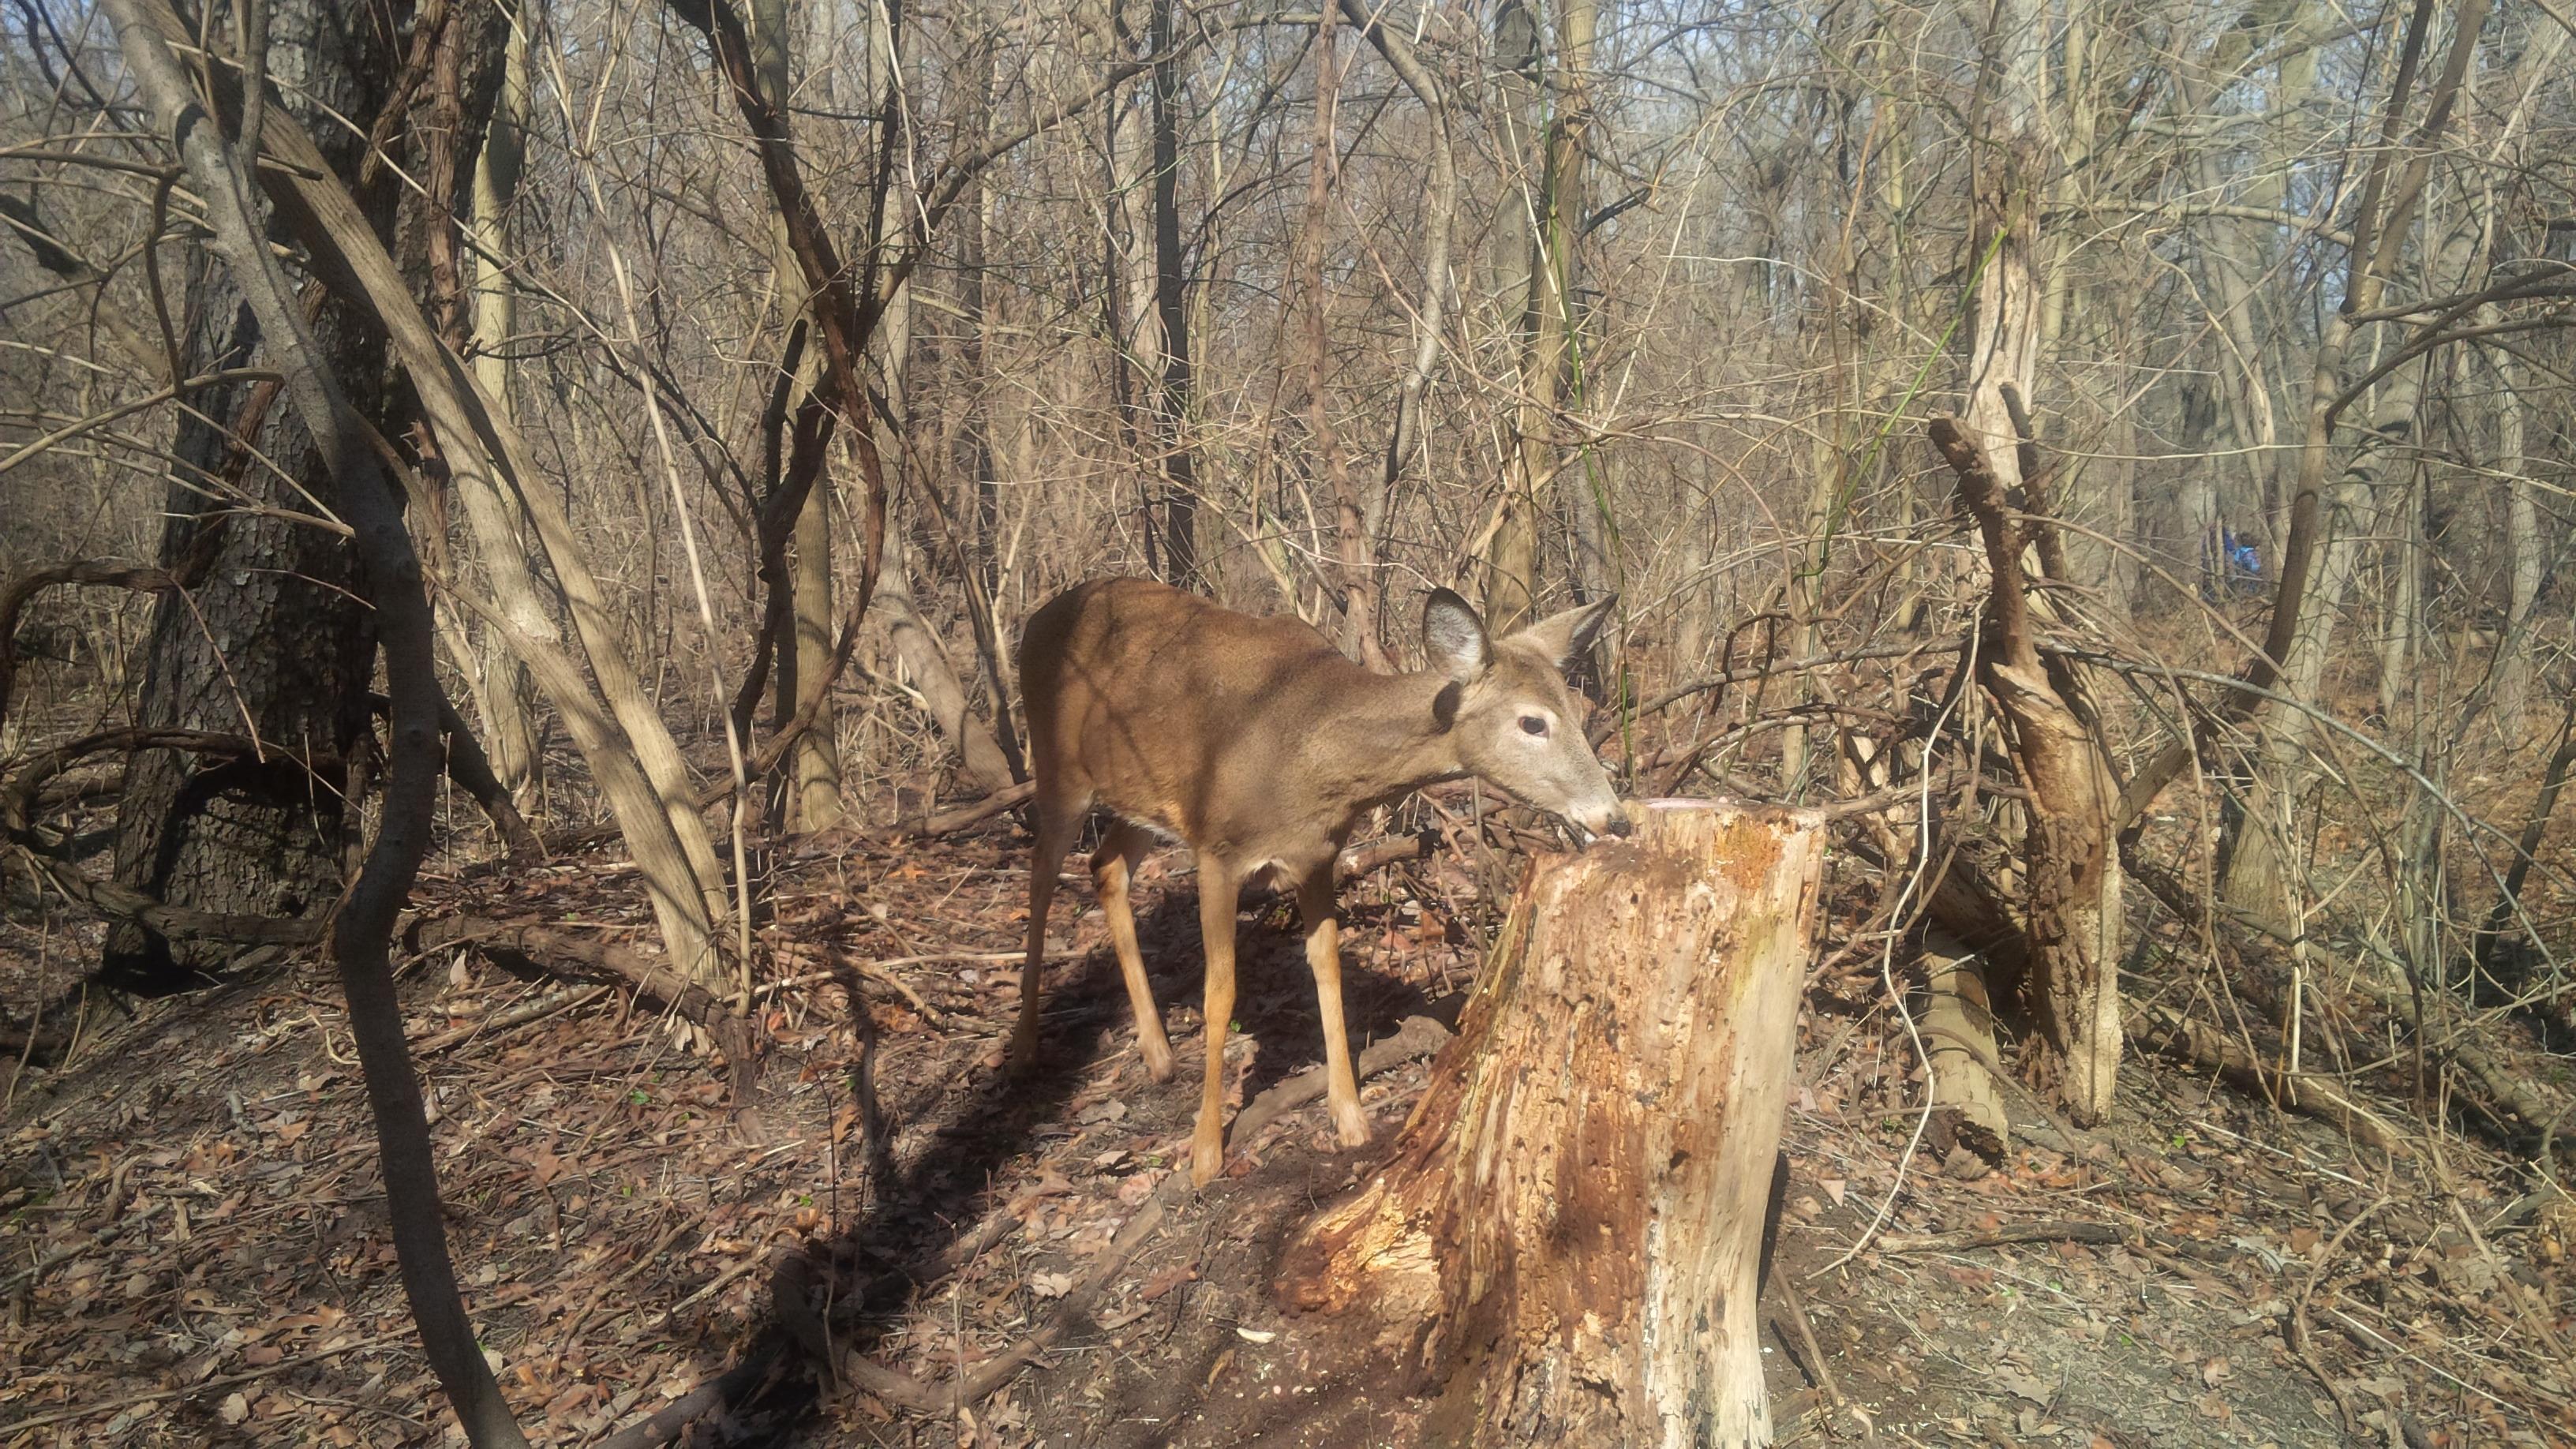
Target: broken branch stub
{"points": [[1568, 1235]]}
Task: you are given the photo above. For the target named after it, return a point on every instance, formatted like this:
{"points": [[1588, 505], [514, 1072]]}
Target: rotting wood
{"points": [[1959, 1032], [1571, 1235], [2053, 1230], [2073, 870]]}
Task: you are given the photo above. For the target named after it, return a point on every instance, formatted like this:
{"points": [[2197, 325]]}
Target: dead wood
{"points": [[2205, 1047], [559, 950], [2054, 1230], [2072, 870], [1959, 1033], [1568, 1231], [14, 597]]}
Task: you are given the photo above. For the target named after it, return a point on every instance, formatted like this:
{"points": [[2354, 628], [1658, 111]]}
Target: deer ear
{"points": [[1562, 637], [1455, 637]]}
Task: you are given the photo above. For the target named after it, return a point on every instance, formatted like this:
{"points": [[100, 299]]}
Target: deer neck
{"points": [[1390, 736]]}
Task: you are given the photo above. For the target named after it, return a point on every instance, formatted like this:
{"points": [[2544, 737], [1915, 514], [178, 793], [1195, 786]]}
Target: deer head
{"points": [[1510, 715]]}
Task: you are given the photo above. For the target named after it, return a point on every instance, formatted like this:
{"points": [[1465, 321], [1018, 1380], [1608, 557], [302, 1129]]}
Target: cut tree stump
{"points": [[1566, 1243]]}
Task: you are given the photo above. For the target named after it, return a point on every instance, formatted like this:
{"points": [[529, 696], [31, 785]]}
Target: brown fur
{"points": [[1260, 746]]}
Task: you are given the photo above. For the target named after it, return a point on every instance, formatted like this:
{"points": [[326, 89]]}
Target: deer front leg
{"points": [[1217, 885], [1324, 957]]}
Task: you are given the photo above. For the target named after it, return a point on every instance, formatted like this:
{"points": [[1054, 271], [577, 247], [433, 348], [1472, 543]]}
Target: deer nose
{"points": [[1618, 826]]}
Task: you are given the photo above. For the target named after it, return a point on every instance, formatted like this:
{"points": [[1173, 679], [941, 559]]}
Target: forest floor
{"points": [[193, 1247]]}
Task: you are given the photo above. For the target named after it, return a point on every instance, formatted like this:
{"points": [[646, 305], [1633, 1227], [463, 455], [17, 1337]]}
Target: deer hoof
{"points": [[1158, 1060], [1351, 1126]]}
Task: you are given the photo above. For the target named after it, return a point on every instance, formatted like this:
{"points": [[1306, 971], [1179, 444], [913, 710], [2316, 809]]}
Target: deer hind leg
{"points": [[1113, 866], [1217, 885], [1057, 826], [1324, 957]]}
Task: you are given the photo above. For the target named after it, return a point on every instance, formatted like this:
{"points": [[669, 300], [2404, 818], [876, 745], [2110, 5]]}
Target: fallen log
{"points": [[558, 950], [1565, 1245]]}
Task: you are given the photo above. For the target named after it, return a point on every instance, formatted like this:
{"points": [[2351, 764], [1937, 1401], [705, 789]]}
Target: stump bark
{"points": [[1566, 1242]]}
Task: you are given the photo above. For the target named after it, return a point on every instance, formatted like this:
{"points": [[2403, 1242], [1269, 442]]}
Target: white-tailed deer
{"points": [[1260, 746]]}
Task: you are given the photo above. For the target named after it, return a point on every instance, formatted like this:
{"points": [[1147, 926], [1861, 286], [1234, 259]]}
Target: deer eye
{"points": [[1533, 725]]}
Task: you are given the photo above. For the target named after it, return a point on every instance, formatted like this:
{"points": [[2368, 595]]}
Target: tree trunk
{"points": [[2525, 541], [1511, 555], [390, 572], [934, 676], [1174, 398], [1127, 300], [617, 728], [505, 693], [1439, 222], [2258, 877], [273, 643], [813, 782], [1567, 1241], [1358, 593], [2072, 865]]}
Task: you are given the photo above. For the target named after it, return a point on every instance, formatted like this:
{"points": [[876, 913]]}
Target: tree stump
{"points": [[1565, 1244]]}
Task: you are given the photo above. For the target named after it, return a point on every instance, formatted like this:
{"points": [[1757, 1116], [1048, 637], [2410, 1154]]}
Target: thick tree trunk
{"points": [[273, 642], [630, 750], [1567, 1241]]}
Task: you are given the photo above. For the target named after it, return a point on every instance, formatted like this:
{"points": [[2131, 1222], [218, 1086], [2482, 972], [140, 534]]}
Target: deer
{"points": [[1259, 746]]}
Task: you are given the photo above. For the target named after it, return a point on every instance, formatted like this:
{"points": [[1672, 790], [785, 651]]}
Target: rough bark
{"points": [[1567, 1240], [618, 729], [391, 577], [272, 641], [2068, 848]]}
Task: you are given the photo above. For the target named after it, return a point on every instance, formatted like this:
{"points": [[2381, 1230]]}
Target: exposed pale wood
{"points": [[2073, 927], [1566, 1243], [1959, 1031]]}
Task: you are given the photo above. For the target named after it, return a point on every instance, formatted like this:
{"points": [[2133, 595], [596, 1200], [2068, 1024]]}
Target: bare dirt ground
{"points": [[193, 1247]]}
